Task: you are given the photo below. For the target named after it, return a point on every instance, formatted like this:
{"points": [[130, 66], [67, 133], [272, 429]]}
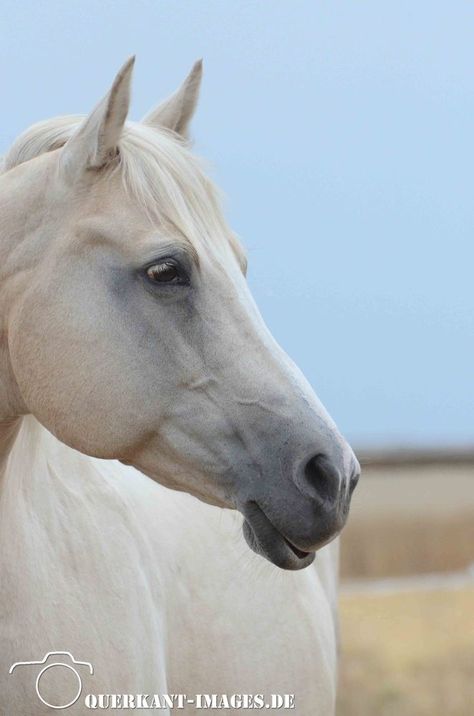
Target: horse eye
{"points": [[165, 272]]}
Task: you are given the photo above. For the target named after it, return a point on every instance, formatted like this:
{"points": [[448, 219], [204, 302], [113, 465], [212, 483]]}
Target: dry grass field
{"points": [[410, 520], [397, 545], [407, 654]]}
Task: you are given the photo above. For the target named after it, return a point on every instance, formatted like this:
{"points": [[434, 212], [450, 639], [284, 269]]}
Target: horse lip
{"points": [[265, 539], [301, 553]]}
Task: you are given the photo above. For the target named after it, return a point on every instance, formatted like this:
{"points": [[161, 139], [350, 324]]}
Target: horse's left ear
{"points": [[176, 112], [95, 142]]}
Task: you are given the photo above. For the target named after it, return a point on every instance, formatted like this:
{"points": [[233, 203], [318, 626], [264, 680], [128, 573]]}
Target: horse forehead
{"points": [[106, 208], [114, 219], [106, 212], [136, 240]]}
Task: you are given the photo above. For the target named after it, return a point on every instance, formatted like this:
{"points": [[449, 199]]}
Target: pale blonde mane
{"points": [[158, 170]]}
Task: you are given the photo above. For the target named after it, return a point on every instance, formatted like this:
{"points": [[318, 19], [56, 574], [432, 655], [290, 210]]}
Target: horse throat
{"points": [[11, 408]]}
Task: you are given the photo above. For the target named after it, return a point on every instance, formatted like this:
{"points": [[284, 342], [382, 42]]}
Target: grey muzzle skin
{"points": [[289, 525]]}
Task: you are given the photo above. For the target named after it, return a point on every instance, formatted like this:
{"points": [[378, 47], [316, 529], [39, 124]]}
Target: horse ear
{"points": [[176, 112], [96, 140]]}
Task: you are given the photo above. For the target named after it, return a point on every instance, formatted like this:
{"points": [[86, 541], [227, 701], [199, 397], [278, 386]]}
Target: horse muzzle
{"points": [[289, 530]]}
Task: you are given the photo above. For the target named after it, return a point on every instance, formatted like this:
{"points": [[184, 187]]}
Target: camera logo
{"points": [[65, 663]]}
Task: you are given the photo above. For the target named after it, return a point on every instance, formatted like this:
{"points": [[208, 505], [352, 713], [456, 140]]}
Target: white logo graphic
{"points": [[61, 664]]}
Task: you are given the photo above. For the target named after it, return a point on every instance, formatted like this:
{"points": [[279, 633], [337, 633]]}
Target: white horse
{"points": [[130, 349]]}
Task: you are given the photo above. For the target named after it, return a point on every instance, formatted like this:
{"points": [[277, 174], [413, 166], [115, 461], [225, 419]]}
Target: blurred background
{"points": [[341, 134]]}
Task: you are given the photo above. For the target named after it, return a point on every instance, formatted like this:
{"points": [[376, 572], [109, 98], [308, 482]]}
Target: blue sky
{"points": [[341, 134]]}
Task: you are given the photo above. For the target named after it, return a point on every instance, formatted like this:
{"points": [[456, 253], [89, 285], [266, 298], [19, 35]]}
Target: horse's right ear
{"points": [[95, 142]]}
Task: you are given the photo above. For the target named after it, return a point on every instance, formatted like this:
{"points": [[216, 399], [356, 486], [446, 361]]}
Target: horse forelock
{"points": [[158, 170]]}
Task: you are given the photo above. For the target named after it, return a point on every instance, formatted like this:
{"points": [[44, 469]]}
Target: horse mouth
{"points": [[264, 539]]}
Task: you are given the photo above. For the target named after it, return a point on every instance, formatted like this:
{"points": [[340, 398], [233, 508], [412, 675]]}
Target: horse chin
{"points": [[265, 540]]}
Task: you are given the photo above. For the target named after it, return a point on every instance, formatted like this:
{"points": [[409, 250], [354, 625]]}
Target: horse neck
{"points": [[8, 433], [43, 475], [19, 439], [11, 405], [16, 254]]}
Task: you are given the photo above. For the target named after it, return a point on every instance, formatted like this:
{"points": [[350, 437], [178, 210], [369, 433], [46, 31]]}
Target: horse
{"points": [[167, 474]]}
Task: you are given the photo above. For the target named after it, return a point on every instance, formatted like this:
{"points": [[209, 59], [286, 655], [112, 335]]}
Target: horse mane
{"points": [[158, 170]]}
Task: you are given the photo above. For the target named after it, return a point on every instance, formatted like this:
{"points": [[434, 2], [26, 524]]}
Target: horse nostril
{"points": [[323, 477], [354, 479]]}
